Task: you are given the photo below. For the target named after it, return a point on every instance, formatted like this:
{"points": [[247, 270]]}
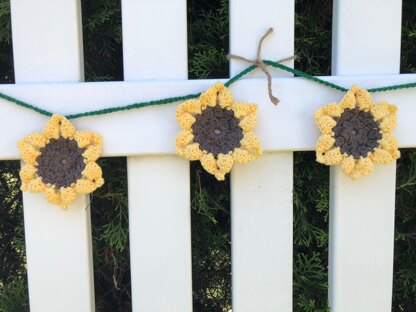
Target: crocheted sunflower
{"points": [[217, 131], [356, 133], [61, 162]]}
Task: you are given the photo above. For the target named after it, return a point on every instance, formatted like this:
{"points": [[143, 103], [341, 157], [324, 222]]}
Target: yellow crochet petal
{"points": [[389, 142], [191, 152], [381, 156], [225, 163], [362, 168], [28, 152], [248, 123], [348, 100], [67, 130], [92, 171], [363, 98], [67, 196], [86, 186], [242, 109], [83, 138], [325, 124], [184, 138], [53, 196], [186, 120], [209, 98], [388, 123], [210, 165], [332, 157], [191, 106], [225, 97], [243, 156], [36, 185], [348, 165], [383, 109], [324, 143], [27, 173], [37, 140], [331, 109], [51, 130], [250, 142], [93, 151]]}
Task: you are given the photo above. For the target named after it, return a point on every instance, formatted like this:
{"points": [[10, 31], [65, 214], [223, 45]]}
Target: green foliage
{"points": [[13, 289], [211, 242], [101, 20], [313, 31], [14, 296], [408, 57], [6, 59], [109, 216], [208, 39]]}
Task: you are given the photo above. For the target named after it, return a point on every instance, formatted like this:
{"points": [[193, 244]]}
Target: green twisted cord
{"points": [[191, 96]]}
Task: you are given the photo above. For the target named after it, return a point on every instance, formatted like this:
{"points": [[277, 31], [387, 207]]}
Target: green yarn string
{"points": [[191, 96]]}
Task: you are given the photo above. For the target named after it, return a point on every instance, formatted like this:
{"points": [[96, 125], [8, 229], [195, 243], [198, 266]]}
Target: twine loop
{"points": [[260, 64]]}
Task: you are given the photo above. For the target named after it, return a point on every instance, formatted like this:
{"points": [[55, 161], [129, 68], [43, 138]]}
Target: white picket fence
{"points": [[47, 44]]}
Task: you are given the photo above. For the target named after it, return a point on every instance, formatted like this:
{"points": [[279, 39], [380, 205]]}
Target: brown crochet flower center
{"points": [[60, 162], [356, 133], [217, 130]]}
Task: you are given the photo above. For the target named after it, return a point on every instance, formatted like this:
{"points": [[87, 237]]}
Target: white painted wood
{"points": [[249, 20], [159, 214], [362, 212], [361, 241], [152, 130], [154, 39], [155, 47], [261, 192], [47, 47], [366, 37], [262, 239]]}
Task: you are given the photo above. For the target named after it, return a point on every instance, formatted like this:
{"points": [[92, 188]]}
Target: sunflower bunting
{"points": [[217, 131], [61, 162], [356, 133]]}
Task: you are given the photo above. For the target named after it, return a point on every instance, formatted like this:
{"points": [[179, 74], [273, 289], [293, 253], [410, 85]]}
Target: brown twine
{"points": [[259, 63]]}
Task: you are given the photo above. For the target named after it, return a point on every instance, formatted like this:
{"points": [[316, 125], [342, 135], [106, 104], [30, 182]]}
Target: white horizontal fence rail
{"points": [[287, 127], [366, 42], [47, 46]]}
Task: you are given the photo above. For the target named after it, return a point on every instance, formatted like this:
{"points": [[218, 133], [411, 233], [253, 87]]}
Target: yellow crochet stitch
{"points": [[60, 162], [356, 133], [217, 131]]}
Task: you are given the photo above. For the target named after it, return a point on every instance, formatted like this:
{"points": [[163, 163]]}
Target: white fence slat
{"points": [[154, 39], [261, 192], [49, 40], [160, 229], [47, 47], [362, 212], [249, 20], [262, 239], [155, 47], [366, 37]]}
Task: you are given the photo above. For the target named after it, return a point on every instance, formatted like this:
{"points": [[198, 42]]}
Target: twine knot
{"points": [[260, 64]]}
